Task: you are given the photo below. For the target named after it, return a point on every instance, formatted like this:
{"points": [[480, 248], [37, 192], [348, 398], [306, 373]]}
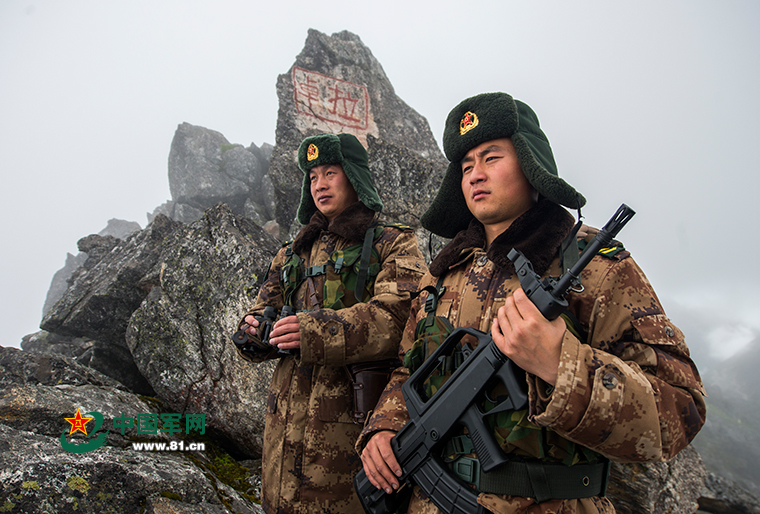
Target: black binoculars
{"points": [[266, 321]]}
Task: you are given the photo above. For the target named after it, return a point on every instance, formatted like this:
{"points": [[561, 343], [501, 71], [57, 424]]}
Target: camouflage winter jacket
{"points": [[309, 459], [628, 391]]}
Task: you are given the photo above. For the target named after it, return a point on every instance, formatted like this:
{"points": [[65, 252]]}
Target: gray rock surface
{"points": [[114, 361], [60, 281], [723, 496], [207, 278], [667, 487], [205, 169], [159, 309], [37, 393], [102, 298], [45, 342], [117, 228]]}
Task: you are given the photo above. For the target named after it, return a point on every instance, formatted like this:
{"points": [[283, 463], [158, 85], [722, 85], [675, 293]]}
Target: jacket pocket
{"points": [[409, 271], [333, 393], [671, 355]]}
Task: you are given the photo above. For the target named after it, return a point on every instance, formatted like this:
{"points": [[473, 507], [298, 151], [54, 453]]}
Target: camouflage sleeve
{"points": [[372, 330], [632, 393], [270, 294]]}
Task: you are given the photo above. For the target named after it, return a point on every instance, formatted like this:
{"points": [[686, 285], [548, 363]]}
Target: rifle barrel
{"points": [[601, 240]]}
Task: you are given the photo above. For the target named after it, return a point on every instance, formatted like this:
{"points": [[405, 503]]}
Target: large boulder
{"points": [[207, 278], [407, 184], [105, 293], [114, 361], [116, 228], [181, 290]]}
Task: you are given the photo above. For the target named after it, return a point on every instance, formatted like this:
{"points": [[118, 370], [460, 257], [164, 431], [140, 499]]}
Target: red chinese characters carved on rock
{"points": [[330, 99]]}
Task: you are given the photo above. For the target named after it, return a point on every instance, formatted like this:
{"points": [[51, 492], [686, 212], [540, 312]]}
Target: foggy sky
{"points": [[652, 103]]}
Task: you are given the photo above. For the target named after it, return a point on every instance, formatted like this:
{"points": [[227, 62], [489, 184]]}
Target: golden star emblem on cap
{"points": [[469, 122], [312, 152]]}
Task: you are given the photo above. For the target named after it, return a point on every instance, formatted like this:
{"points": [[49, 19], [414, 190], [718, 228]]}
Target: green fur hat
{"points": [[343, 149], [482, 118]]}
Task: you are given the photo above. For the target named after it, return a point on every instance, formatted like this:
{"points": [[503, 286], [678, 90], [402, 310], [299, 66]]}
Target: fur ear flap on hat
{"points": [[343, 149], [483, 118]]}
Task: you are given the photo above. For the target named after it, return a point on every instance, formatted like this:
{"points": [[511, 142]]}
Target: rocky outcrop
{"points": [[60, 280], [116, 228], [407, 184], [205, 280], [105, 293], [205, 169], [37, 393], [722, 496], [114, 361], [336, 85], [158, 310]]}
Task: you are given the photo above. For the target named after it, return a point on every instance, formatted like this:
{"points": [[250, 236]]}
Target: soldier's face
{"points": [[493, 184], [331, 190]]}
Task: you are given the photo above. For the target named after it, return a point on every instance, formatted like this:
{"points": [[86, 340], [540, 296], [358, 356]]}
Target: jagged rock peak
{"points": [[337, 86], [205, 169]]}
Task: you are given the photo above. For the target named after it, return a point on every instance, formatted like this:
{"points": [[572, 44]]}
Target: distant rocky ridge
{"points": [[142, 325], [115, 228]]}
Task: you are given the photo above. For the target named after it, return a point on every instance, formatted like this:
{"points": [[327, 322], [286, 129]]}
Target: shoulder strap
{"points": [[431, 303], [285, 274], [313, 299], [361, 277], [568, 250]]}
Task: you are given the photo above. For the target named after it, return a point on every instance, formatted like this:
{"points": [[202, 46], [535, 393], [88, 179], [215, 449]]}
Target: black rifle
{"points": [[417, 445], [432, 420]]}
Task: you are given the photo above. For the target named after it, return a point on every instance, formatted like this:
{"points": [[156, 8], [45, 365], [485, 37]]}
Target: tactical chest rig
{"points": [[350, 276]]}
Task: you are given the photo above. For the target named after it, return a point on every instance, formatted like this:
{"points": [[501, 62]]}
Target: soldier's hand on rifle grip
{"points": [[380, 463], [531, 341], [286, 334]]}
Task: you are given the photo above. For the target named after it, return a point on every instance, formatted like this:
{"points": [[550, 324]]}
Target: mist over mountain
{"points": [[728, 441]]}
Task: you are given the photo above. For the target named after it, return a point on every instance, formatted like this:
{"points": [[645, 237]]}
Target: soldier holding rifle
{"points": [[609, 379]]}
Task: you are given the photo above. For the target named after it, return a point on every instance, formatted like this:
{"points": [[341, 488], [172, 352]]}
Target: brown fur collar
{"points": [[538, 234], [351, 224]]}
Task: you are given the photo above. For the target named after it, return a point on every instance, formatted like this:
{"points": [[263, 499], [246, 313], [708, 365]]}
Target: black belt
{"points": [[540, 480]]}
